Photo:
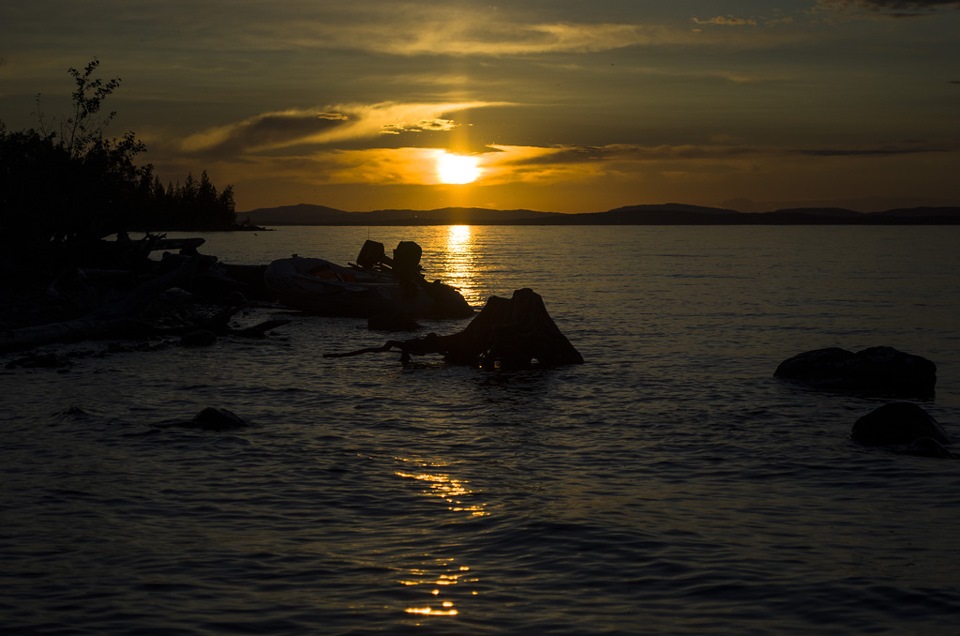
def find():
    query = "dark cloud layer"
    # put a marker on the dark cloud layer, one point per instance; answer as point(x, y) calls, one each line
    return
point(273, 129)
point(572, 154)
point(895, 8)
point(867, 152)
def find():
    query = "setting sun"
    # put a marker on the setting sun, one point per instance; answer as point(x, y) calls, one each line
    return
point(457, 169)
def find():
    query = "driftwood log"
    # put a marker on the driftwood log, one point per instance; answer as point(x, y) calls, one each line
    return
point(509, 333)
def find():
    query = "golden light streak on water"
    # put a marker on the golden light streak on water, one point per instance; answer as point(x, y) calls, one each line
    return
point(449, 489)
point(442, 575)
point(429, 611)
point(458, 262)
point(459, 238)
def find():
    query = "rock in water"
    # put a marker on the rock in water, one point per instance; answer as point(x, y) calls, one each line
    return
point(509, 333)
point(903, 428)
point(214, 419)
point(873, 371)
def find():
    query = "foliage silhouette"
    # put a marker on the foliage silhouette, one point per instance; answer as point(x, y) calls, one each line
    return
point(65, 185)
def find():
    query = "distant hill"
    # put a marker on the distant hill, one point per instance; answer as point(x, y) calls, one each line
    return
point(664, 214)
point(302, 214)
point(921, 213)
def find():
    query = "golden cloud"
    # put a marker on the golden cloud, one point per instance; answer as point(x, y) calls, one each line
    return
point(417, 29)
point(344, 122)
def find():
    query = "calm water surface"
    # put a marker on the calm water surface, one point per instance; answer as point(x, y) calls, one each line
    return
point(668, 485)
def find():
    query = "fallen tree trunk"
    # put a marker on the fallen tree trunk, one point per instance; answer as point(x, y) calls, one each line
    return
point(509, 333)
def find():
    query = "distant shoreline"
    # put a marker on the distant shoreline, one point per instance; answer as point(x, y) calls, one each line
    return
point(666, 214)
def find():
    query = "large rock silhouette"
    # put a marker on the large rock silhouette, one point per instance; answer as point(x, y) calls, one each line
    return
point(509, 333)
point(875, 371)
point(902, 427)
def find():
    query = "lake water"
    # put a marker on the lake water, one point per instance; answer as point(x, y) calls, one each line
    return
point(668, 485)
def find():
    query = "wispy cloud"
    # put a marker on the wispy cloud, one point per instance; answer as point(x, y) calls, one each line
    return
point(578, 163)
point(890, 8)
point(455, 29)
point(427, 125)
point(475, 35)
point(883, 151)
point(531, 163)
point(581, 154)
point(726, 21)
point(268, 130)
point(342, 123)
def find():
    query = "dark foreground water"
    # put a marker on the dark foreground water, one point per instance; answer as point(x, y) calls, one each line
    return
point(668, 485)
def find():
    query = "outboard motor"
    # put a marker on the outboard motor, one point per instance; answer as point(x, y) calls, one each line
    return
point(406, 260)
point(371, 254)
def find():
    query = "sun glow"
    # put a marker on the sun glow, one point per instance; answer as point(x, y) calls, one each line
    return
point(457, 169)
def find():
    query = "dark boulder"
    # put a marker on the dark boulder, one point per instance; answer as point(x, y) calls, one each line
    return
point(874, 371)
point(209, 419)
point(508, 334)
point(214, 419)
point(904, 427)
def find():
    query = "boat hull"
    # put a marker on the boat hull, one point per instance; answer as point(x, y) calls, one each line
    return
point(318, 286)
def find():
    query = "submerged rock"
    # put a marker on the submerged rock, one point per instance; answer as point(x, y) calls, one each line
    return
point(211, 419)
point(903, 427)
point(214, 419)
point(873, 371)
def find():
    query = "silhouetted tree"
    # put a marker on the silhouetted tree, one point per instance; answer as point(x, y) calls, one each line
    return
point(59, 190)
point(64, 184)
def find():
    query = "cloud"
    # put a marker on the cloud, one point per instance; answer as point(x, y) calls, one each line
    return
point(891, 8)
point(883, 151)
point(620, 162)
point(726, 21)
point(431, 29)
point(268, 130)
point(457, 36)
point(430, 125)
point(342, 123)
point(629, 152)
point(543, 164)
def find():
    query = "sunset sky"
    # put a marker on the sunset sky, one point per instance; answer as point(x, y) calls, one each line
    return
point(557, 105)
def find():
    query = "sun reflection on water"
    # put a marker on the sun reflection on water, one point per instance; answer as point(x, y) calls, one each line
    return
point(459, 238)
point(438, 580)
point(459, 262)
point(449, 489)
point(441, 576)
